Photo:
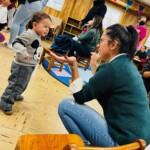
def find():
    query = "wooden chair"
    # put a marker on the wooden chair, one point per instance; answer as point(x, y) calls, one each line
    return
point(85, 62)
point(50, 59)
point(137, 145)
point(47, 142)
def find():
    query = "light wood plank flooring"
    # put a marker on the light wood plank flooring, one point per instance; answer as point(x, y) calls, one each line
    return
point(37, 113)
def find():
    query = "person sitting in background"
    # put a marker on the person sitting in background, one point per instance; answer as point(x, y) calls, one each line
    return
point(141, 29)
point(146, 74)
point(99, 9)
point(83, 44)
point(141, 56)
point(119, 89)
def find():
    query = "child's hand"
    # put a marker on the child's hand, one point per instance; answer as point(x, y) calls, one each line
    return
point(28, 57)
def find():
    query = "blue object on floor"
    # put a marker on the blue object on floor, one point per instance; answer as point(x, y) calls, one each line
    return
point(65, 75)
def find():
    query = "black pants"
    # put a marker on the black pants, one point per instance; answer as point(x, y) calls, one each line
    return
point(2, 26)
point(80, 49)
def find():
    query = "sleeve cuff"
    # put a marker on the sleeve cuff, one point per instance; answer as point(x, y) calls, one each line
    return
point(76, 86)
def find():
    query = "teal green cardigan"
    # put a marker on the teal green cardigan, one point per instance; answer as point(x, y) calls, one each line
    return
point(119, 89)
point(90, 38)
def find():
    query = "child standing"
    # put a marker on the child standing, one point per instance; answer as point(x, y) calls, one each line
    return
point(26, 48)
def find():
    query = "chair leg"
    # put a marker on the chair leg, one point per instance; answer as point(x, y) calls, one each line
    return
point(42, 56)
point(61, 67)
point(86, 66)
point(51, 63)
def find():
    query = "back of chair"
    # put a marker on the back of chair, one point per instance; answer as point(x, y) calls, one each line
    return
point(137, 145)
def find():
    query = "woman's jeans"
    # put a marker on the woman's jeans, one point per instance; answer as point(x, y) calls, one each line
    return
point(85, 122)
point(22, 17)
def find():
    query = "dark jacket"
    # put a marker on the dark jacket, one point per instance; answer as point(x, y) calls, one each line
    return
point(23, 1)
point(146, 80)
point(98, 9)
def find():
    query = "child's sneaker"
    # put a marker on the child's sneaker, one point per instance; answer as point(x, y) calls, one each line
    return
point(19, 98)
point(7, 110)
point(6, 44)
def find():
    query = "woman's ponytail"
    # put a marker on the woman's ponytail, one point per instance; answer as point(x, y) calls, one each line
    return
point(133, 41)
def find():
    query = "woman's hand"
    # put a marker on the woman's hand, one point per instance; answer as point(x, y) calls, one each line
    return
point(94, 58)
point(93, 62)
point(70, 60)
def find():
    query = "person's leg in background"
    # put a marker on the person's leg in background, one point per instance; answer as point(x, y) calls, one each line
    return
point(85, 122)
point(11, 16)
point(22, 16)
point(80, 50)
point(32, 7)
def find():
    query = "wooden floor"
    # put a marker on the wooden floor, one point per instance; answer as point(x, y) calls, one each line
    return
point(37, 114)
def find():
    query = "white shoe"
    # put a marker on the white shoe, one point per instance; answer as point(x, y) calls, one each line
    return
point(6, 44)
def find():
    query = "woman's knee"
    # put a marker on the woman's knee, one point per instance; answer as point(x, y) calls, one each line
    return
point(67, 102)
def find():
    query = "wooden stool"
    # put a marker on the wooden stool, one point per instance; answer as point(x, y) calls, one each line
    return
point(50, 59)
point(47, 142)
point(84, 61)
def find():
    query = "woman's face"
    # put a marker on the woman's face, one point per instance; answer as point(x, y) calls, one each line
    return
point(143, 49)
point(104, 49)
point(91, 22)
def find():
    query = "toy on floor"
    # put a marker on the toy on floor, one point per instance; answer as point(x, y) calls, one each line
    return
point(2, 37)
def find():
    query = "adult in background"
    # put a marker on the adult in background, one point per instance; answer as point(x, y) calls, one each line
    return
point(141, 29)
point(119, 89)
point(99, 9)
point(141, 57)
point(22, 16)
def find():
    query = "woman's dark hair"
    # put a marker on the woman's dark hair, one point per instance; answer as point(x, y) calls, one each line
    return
point(37, 17)
point(97, 23)
point(126, 36)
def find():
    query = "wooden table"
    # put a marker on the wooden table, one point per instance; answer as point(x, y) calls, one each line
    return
point(47, 141)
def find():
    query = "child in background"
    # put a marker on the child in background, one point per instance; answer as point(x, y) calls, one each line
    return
point(11, 11)
point(26, 48)
point(3, 17)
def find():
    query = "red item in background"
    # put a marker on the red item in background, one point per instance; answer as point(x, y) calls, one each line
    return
point(85, 29)
point(143, 62)
point(2, 37)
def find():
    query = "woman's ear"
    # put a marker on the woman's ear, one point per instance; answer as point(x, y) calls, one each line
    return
point(115, 45)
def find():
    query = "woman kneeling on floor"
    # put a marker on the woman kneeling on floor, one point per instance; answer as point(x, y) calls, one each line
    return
point(119, 89)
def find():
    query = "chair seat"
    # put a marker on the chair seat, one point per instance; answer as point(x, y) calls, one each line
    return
point(84, 61)
point(50, 59)
point(47, 142)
